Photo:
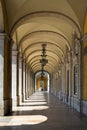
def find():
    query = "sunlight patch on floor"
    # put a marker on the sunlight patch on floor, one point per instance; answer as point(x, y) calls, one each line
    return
point(34, 103)
point(22, 120)
point(30, 108)
point(35, 100)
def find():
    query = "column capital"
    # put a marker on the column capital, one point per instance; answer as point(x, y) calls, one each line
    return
point(24, 60)
point(20, 57)
point(14, 52)
point(68, 56)
point(2, 36)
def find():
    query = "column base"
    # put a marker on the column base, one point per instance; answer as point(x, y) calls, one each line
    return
point(26, 95)
point(84, 107)
point(5, 107)
point(1, 107)
point(23, 97)
point(75, 103)
point(18, 100)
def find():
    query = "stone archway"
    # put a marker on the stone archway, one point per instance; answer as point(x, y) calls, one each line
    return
point(42, 84)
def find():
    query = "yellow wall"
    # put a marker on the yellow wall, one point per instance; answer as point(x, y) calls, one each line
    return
point(45, 83)
point(84, 92)
point(39, 81)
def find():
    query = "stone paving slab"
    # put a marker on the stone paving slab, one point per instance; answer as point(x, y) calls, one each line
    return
point(43, 111)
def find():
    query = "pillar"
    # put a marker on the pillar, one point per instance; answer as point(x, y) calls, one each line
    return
point(1, 75)
point(14, 76)
point(68, 77)
point(5, 65)
point(5, 75)
point(23, 80)
point(63, 81)
point(26, 82)
point(19, 79)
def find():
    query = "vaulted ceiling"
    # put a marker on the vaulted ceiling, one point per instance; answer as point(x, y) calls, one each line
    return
point(53, 22)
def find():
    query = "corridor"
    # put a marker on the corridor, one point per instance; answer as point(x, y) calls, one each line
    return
point(43, 111)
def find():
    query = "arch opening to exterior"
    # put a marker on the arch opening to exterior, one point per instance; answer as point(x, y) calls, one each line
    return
point(42, 84)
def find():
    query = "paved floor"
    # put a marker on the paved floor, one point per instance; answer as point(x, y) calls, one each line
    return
point(43, 111)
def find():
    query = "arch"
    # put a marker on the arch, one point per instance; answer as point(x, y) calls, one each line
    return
point(38, 84)
point(47, 68)
point(38, 63)
point(40, 72)
point(50, 43)
point(40, 57)
point(21, 20)
point(39, 50)
point(49, 48)
point(42, 32)
point(51, 60)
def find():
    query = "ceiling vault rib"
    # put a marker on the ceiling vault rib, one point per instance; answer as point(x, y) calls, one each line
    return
point(39, 61)
point(41, 32)
point(45, 66)
point(40, 71)
point(40, 51)
point(40, 64)
point(21, 20)
point(50, 67)
point(49, 43)
point(40, 57)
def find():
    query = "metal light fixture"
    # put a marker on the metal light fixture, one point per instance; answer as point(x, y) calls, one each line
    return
point(43, 62)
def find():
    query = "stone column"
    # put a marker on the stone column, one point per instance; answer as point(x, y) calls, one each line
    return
point(14, 77)
point(31, 82)
point(63, 81)
point(28, 83)
point(70, 78)
point(23, 80)
point(5, 75)
point(1, 75)
point(57, 85)
point(19, 78)
point(51, 83)
point(26, 80)
point(70, 70)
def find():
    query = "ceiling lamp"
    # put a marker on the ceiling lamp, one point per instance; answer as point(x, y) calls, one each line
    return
point(43, 61)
